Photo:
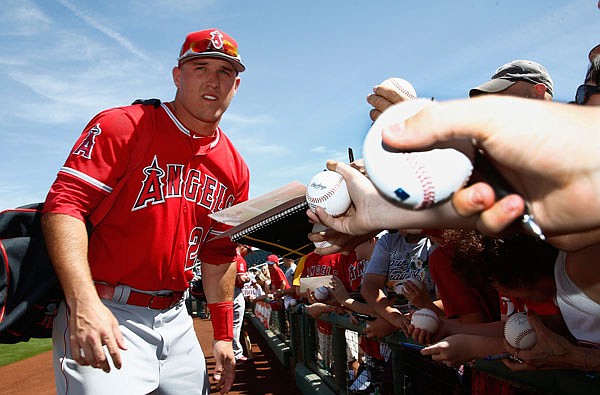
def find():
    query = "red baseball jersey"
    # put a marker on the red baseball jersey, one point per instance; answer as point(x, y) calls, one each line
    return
point(241, 267)
point(277, 277)
point(322, 265)
point(158, 228)
point(510, 305)
point(315, 265)
point(351, 271)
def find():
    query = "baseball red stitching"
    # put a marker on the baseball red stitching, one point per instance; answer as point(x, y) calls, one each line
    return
point(327, 194)
point(424, 178)
point(521, 335)
point(402, 89)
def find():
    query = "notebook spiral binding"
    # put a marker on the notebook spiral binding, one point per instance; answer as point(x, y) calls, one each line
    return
point(259, 225)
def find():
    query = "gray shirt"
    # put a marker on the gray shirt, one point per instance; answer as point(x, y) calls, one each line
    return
point(398, 260)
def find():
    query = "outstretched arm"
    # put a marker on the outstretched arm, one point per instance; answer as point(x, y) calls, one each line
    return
point(218, 286)
point(91, 324)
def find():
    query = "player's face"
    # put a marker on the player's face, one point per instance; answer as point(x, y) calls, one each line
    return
point(205, 88)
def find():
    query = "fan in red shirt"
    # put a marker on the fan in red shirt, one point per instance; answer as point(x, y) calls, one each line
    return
point(278, 281)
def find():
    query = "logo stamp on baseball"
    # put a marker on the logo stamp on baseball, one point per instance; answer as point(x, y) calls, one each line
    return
point(328, 189)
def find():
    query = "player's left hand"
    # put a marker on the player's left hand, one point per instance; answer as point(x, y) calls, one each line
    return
point(224, 373)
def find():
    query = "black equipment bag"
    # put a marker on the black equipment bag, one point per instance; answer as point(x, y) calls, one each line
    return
point(29, 289)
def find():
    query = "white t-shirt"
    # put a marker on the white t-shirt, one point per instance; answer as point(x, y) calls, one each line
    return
point(581, 314)
point(399, 260)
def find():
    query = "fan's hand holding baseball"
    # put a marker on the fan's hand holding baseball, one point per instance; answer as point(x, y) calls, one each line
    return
point(92, 325)
point(418, 295)
point(551, 351)
point(525, 139)
point(368, 210)
point(371, 212)
point(224, 373)
point(389, 92)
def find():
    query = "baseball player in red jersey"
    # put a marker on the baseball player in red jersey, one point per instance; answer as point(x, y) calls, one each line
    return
point(239, 303)
point(124, 312)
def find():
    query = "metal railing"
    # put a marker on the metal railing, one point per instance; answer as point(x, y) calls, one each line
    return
point(395, 367)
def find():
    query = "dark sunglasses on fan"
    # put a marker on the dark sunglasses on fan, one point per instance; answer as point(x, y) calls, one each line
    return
point(584, 92)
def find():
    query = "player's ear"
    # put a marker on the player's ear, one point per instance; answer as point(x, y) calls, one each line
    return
point(176, 76)
point(237, 83)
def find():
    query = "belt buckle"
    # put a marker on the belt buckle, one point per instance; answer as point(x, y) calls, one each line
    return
point(170, 296)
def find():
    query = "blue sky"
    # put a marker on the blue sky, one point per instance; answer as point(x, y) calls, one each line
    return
point(310, 65)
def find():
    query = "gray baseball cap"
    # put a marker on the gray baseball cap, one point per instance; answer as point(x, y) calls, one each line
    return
point(517, 70)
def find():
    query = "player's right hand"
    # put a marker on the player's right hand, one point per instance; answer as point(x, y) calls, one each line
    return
point(224, 373)
point(92, 326)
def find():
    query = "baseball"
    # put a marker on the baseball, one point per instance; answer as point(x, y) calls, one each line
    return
point(425, 319)
point(399, 288)
point(328, 189)
point(321, 294)
point(518, 332)
point(320, 228)
point(403, 87)
point(412, 179)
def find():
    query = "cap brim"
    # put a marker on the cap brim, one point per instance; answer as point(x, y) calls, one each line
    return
point(492, 86)
point(234, 62)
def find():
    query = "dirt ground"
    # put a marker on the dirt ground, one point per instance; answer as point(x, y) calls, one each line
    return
point(263, 375)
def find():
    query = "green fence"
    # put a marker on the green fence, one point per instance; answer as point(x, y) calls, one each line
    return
point(327, 364)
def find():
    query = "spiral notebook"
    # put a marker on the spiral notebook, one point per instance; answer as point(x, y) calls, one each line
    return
point(274, 222)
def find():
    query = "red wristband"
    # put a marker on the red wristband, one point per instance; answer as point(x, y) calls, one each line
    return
point(221, 315)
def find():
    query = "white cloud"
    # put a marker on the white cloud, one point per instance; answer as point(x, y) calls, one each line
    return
point(319, 149)
point(22, 18)
point(114, 35)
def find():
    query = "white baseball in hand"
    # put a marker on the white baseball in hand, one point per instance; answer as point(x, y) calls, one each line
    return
point(321, 293)
point(425, 319)
point(413, 179)
point(320, 228)
point(403, 87)
point(399, 288)
point(518, 332)
point(328, 189)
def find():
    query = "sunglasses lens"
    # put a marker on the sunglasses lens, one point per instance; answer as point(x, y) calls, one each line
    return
point(207, 45)
point(582, 94)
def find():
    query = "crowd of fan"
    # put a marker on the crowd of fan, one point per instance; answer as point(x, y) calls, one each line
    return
point(471, 280)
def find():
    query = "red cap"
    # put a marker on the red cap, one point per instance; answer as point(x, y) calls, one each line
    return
point(211, 43)
point(272, 258)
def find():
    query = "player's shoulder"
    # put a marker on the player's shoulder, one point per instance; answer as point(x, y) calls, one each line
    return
point(123, 120)
point(131, 112)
